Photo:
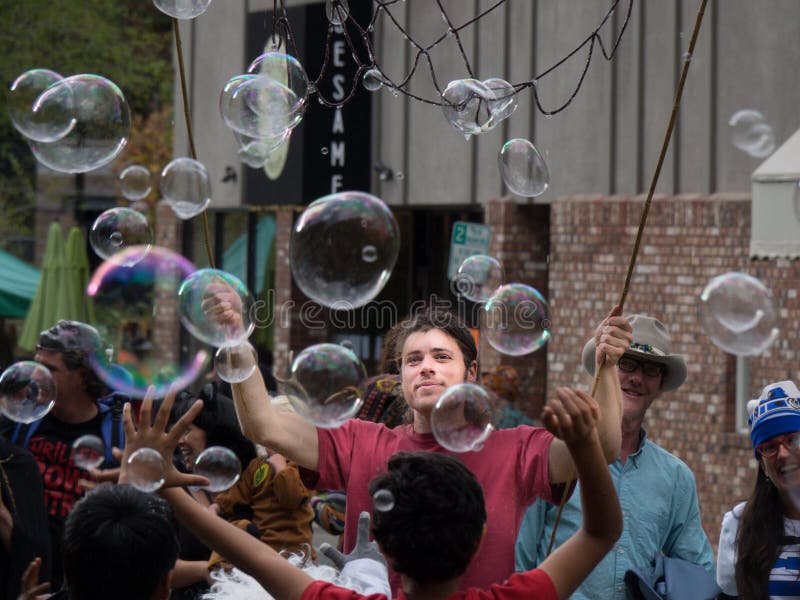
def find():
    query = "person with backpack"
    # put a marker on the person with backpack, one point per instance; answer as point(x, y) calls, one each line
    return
point(84, 405)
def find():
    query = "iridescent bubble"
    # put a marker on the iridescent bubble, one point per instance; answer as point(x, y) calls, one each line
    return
point(235, 364)
point(182, 9)
point(738, 314)
point(88, 452)
point(505, 103)
point(383, 500)
point(48, 123)
point(751, 133)
point(102, 124)
point(276, 92)
point(372, 80)
point(117, 229)
point(323, 386)
point(186, 187)
point(337, 11)
point(467, 105)
point(327, 249)
point(209, 298)
point(462, 417)
point(27, 391)
point(134, 182)
point(220, 466)
point(135, 294)
point(523, 169)
point(478, 277)
point(146, 470)
point(517, 319)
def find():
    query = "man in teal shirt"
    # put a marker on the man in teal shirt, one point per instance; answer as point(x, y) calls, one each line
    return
point(656, 490)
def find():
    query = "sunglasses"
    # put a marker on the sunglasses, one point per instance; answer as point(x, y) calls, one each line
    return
point(649, 369)
point(769, 449)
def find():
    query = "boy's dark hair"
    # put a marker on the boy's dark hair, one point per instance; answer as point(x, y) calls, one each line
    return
point(443, 320)
point(436, 523)
point(118, 543)
point(77, 343)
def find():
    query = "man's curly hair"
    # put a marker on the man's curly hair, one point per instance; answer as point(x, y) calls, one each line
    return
point(435, 525)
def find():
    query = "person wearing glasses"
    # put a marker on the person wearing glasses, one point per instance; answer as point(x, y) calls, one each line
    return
point(759, 545)
point(656, 490)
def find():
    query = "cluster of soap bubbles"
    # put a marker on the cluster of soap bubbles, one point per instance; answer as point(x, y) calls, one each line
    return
point(738, 314)
point(27, 392)
point(72, 125)
point(264, 105)
point(473, 106)
point(324, 384)
point(343, 249)
point(751, 133)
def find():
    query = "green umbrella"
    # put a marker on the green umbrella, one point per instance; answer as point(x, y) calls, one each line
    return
point(42, 313)
point(73, 303)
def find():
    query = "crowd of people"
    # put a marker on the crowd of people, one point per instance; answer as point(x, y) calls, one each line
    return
point(584, 505)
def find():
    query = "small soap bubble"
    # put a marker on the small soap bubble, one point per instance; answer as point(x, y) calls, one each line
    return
point(332, 246)
point(466, 104)
point(337, 11)
point(523, 169)
point(517, 319)
point(117, 229)
point(478, 277)
point(399, 175)
point(324, 151)
point(102, 124)
point(146, 470)
point(383, 500)
point(462, 417)
point(27, 391)
point(372, 80)
point(323, 386)
point(134, 182)
point(751, 133)
point(48, 123)
point(220, 466)
point(182, 9)
point(505, 103)
point(185, 186)
point(88, 452)
point(135, 295)
point(235, 364)
point(215, 307)
point(738, 314)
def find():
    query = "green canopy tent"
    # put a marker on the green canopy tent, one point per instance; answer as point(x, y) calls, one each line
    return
point(73, 303)
point(17, 286)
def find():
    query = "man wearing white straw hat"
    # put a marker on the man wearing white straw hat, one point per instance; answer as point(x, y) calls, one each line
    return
point(656, 490)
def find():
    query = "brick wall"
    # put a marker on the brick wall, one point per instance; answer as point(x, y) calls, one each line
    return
point(688, 240)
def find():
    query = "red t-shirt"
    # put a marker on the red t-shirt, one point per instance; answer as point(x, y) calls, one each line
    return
point(512, 469)
point(530, 585)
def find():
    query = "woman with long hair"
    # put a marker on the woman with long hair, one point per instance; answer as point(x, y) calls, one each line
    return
point(759, 546)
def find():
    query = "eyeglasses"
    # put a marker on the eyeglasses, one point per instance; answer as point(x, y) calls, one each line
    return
point(769, 449)
point(649, 369)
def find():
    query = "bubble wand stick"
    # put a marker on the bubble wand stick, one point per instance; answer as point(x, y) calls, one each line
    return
point(640, 233)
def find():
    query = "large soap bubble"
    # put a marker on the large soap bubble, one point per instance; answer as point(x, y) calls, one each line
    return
point(136, 308)
point(182, 9)
point(207, 293)
point(343, 249)
point(478, 277)
point(102, 124)
point(517, 320)
point(134, 182)
point(738, 314)
point(751, 133)
point(324, 384)
point(47, 124)
point(462, 417)
point(186, 187)
point(467, 105)
point(523, 169)
point(27, 391)
point(220, 466)
point(117, 229)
